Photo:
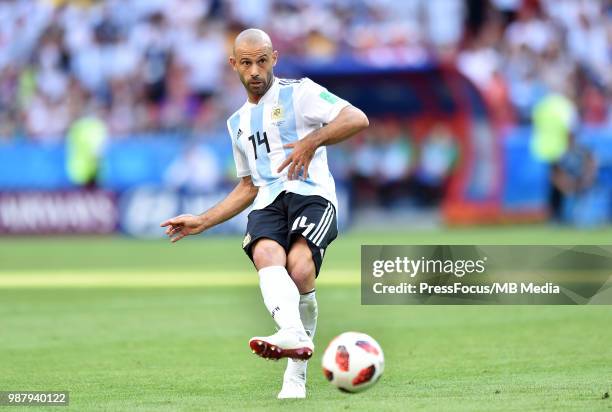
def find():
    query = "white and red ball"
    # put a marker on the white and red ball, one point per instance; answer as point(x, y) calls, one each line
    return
point(353, 362)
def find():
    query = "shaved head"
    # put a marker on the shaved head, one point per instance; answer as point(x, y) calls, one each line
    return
point(253, 58)
point(252, 38)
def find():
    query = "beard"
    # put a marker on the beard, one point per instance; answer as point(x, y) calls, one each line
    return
point(260, 86)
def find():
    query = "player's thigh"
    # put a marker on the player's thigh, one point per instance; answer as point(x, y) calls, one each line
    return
point(268, 252)
point(266, 241)
point(300, 265)
point(313, 219)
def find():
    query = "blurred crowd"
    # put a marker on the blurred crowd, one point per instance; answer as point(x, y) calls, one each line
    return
point(520, 51)
point(392, 167)
point(160, 65)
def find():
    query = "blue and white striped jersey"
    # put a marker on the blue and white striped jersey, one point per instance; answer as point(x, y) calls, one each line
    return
point(289, 111)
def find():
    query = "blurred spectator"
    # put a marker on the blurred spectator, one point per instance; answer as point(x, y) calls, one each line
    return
point(554, 120)
point(555, 123)
point(395, 164)
point(439, 153)
point(575, 170)
point(530, 30)
point(197, 170)
point(47, 118)
point(382, 165)
point(153, 38)
point(573, 176)
point(86, 139)
point(365, 168)
point(204, 56)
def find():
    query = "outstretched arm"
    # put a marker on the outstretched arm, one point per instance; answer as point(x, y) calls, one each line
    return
point(235, 202)
point(349, 121)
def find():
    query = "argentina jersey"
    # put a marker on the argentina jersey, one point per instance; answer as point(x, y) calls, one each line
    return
point(289, 111)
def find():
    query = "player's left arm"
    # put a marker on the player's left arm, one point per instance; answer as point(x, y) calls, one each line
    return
point(347, 123)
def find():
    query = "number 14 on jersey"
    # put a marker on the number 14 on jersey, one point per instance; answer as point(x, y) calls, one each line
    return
point(257, 140)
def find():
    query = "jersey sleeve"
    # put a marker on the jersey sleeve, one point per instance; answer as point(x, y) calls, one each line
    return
point(317, 104)
point(242, 165)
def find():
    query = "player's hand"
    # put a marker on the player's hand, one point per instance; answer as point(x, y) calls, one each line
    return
point(184, 225)
point(300, 158)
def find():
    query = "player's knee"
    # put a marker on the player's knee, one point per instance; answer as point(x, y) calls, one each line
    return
point(302, 270)
point(267, 252)
point(303, 274)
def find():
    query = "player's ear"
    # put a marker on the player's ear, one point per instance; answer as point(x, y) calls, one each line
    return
point(232, 62)
point(274, 57)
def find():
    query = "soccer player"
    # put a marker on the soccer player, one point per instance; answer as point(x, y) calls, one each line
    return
point(278, 138)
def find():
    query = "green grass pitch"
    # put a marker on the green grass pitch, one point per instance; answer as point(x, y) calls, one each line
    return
point(128, 325)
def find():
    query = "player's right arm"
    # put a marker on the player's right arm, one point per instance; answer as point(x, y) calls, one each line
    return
point(235, 202)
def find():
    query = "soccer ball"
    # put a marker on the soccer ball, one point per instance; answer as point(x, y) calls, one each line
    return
point(353, 362)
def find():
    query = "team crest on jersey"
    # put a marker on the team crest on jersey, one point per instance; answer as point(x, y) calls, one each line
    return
point(277, 114)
